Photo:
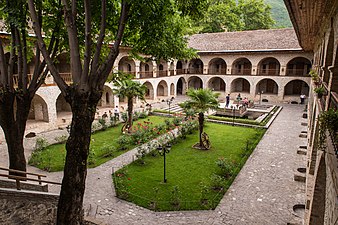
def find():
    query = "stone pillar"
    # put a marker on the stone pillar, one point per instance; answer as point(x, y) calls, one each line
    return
point(137, 69)
point(168, 68)
point(154, 69)
point(254, 70)
point(205, 68)
point(229, 69)
point(282, 71)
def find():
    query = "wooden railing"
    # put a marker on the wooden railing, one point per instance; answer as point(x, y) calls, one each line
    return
point(217, 71)
point(67, 77)
point(146, 74)
point(162, 73)
point(241, 72)
point(16, 79)
point(195, 71)
point(18, 179)
point(268, 72)
point(296, 72)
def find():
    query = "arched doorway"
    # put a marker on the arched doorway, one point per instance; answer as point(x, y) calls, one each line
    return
point(150, 91)
point(107, 99)
point(127, 65)
point(296, 88)
point(217, 66)
point(299, 66)
point(267, 86)
point(162, 88)
point(240, 85)
point(162, 69)
point(146, 70)
point(216, 84)
point(39, 109)
point(179, 68)
point(268, 67)
point(181, 86)
point(241, 66)
point(172, 89)
point(196, 66)
point(195, 82)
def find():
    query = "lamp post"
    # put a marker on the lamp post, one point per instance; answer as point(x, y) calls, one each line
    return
point(163, 150)
point(169, 101)
point(260, 97)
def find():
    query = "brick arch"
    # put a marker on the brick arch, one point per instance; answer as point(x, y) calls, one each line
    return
point(240, 85)
point(217, 66)
point(162, 88)
point(150, 90)
point(298, 66)
point(39, 109)
point(216, 84)
point(241, 66)
point(296, 87)
point(268, 66)
point(195, 82)
point(181, 86)
point(267, 86)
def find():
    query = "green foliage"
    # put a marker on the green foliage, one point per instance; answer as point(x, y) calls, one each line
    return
point(61, 139)
point(187, 168)
point(175, 197)
point(41, 144)
point(226, 167)
point(328, 121)
point(279, 13)
point(232, 15)
point(201, 100)
point(123, 141)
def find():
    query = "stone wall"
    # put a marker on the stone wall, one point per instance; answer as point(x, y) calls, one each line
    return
point(24, 186)
point(27, 207)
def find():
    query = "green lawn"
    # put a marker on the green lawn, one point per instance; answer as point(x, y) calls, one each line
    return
point(103, 148)
point(188, 169)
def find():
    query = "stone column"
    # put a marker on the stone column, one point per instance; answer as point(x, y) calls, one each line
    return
point(154, 69)
point(137, 69)
point(282, 71)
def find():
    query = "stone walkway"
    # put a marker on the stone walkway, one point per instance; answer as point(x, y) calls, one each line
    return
point(263, 193)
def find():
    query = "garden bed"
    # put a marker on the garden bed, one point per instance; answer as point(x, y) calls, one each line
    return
point(196, 179)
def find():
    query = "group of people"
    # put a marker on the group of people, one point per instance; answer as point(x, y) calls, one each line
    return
point(116, 114)
point(245, 101)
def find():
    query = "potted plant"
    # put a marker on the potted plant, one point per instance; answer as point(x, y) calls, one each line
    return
point(315, 77)
point(320, 91)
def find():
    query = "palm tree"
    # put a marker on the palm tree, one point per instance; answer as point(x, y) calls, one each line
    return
point(129, 89)
point(201, 100)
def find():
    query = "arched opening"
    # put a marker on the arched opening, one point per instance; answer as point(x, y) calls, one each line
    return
point(195, 82)
point(298, 67)
point(240, 85)
point(216, 84)
point(162, 69)
point(62, 106)
point(162, 88)
point(267, 86)
point(268, 67)
point(127, 65)
point(179, 68)
point(38, 110)
point(241, 66)
point(296, 87)
point(150, 91)
point(196, 66)
point(181, 86)
point(217, 66)
point(328, 58)
point(172, 89)
point(107, 99)
point(63, 66)
point(146, 70)
point(172, 69)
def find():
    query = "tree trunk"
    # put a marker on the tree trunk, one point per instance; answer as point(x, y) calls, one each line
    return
point(130, 113)
point(200, 123)
point(73, 184)
point(14, 127)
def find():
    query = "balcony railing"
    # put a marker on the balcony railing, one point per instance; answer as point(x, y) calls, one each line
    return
point(162, 73)
point(217, 71)
point(296, 72)
point(268, 72)
point(16, 79)
point(180, 71)
point(241, 72)
point(146, 74)
point(172, 72)
point(195, 71)
point(67, 77)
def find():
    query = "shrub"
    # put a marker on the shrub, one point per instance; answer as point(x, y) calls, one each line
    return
point(61, 139)
point(217, 182)
point(103, 124)
point(107, 151)
point(175, 197)
point(41, 143)
point(124, 117)
point(143, 115)
point(91, 157)
point(227, 168)
point(123, 141)
point(177, 121)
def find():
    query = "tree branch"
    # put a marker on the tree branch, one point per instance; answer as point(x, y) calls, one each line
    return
point(88, 43)
point(3, 67)
point(99, 43)
point(20, 58)
point(37, 29)
point(75, 59)
point(105, 68)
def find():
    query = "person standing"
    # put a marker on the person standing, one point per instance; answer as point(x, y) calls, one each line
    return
point(227, 101)
point(302, 99)
point(116, 113)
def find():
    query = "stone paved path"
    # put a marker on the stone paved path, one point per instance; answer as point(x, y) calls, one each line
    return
point(263, 192)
